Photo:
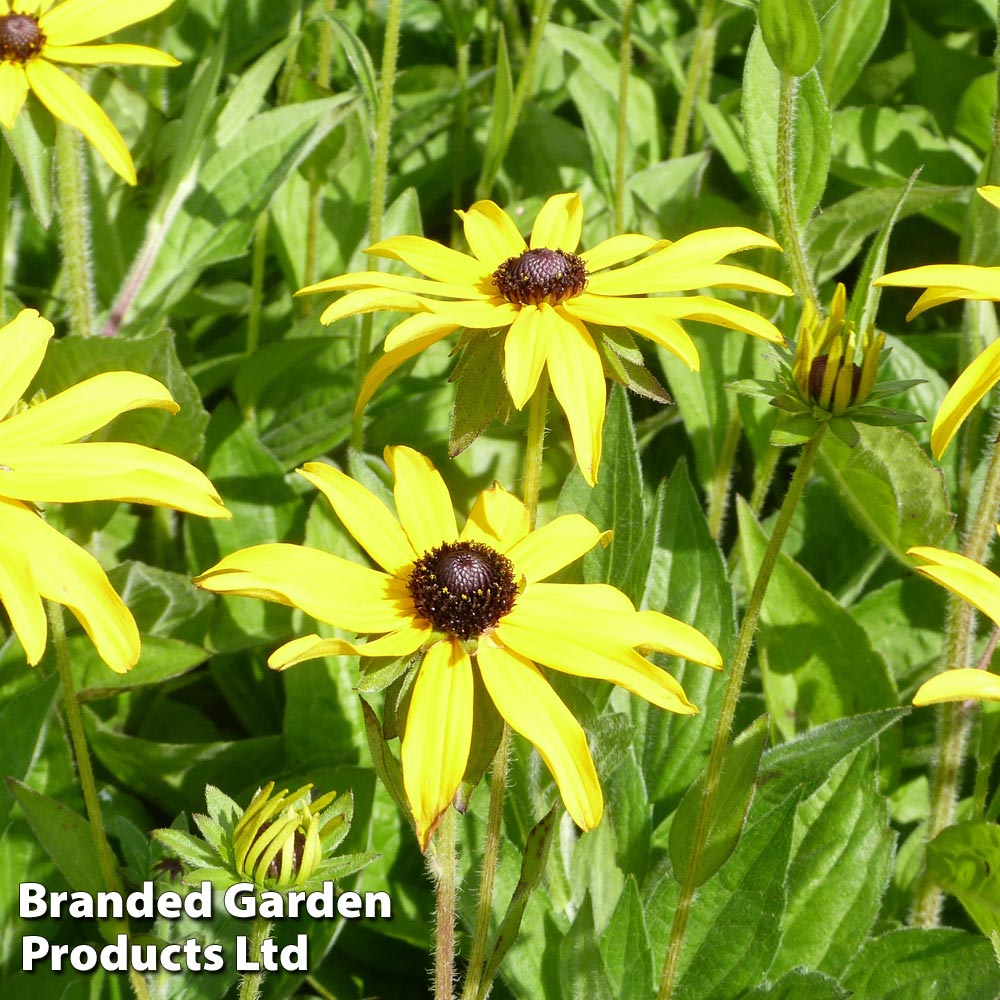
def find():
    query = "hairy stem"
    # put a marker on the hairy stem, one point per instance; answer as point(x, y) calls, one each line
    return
point(445, 880)
point(621, 144)
point(74, 223)
point(251, 982)
point(699, 70)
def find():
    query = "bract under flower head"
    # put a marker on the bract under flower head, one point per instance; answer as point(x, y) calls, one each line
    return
point(429, 569)
point(981, 588)
point(35, 35)
point(948, 283)
point(43, 461)
point(553, 301)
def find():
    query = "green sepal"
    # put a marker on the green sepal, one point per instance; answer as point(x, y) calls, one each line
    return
point(844, 430)
point(883, 416)
point(791, 404)
point(759, 388)
point(882, 390)
point(480, 390)
point(624, 364)
point(387, 768)
point(794, 430)
point(378, 672)
point(191, 850)
point(487, 730)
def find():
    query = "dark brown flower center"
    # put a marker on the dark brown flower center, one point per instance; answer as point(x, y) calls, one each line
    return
point(817, 373)
point(540, 276)
point(21, 38)
point(463, 588)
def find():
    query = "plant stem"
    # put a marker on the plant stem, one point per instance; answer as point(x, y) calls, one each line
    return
point(791, 233)
point(621, 145)
point(251, 982)
point(78, 738)
point(75, 229)
point(458, 144)
point(955, 718)
point(721, 738)
point(257, 282)
point(6, 170)
point(380, 171)
point(723, 470)
point(445, 878)
point(699, 68)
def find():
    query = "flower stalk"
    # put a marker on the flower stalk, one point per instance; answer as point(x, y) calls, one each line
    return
point(734, 684)
point(75, 230)
point(621, 145)
point(445, 881)
point(698, 73)
point(251, 982)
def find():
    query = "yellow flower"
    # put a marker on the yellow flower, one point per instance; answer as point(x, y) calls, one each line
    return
point(42, 460)
point(948, 283)
point(474, 600)
point(981, 588)
point(33, 37)
point(546, 294)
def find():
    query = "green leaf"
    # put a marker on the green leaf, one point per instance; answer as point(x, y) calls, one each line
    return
point(800, 985)
point(386, 766)
point(501, 127)
point(889, 487)
point(32, 142)
point(729, 808)
point(581, 963)
point(851, 33)
point(357, 55)
point(688, 581)
point(791, 33)
point(616, 502)
point(841, 865)
point(816, 662)
point(625, 947)
point(918, 964)
point(65, 836)
point(160, 660)
point(761, 89)
point(24, 721)
point(964, 860)
point(480, 390)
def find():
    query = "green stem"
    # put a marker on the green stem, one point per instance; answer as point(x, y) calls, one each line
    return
point(621, 144)
point(474, 984)
point(762, 479)
point(955, 718)
point(699, 68)
point(251, 982)
point(795, 252)
point(724, 469)
point(720, 740)
point(257, 282)
point(458, 145)
point(75, 229)
point(78, 737)
point(380, 171)
point(6, 171)
point(445, 880)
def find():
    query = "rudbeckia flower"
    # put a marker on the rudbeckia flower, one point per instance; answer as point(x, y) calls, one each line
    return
point(545, 294)
point(471, 600)
point(33, 37)
point(948, 283)
point(43, 461)
point(981, 588)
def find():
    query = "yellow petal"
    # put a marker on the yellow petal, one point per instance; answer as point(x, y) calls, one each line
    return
point(417, 327)
point(491, 234)
point(653, 630)
point(366, 300)
point(22, 346)
point(13, 91)
point(109, 55)
point(497, 519)
point(577, 377)
point(528, 633)
point(961, 399)
point(525, 349)
point(398, 283)
point(388, 363)
point(438, 734)
point(488, 314)
point(18, 591)
point(78, 21)
point(69, 473)
point(991, 193)
point(708, 246)
point(652, 318)
point(422, 499)
point(709, 310)
point(961, 575)
point(70, 103)
point(546, 550)
point(968, 276)
point(365, 517)
point(67, 574)
point(312, 647)
point(644, 277)
point(433, 260)
point(940, 295)
point(959, 685)
point(328, 588)
point(83, 409)
point(559, 223)
point(619, 248)
point(525, 699)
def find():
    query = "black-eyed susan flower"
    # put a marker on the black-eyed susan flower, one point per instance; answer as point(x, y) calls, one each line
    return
point(829, 377)
point(35, 34)
point(947, 283)
point(981, 588)
point(552, 301)
point(42, 460)
point(471, 600)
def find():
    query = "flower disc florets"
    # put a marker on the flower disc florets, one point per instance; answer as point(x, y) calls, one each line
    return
point(541, 275)
point(21, 38)
point(463, 588)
